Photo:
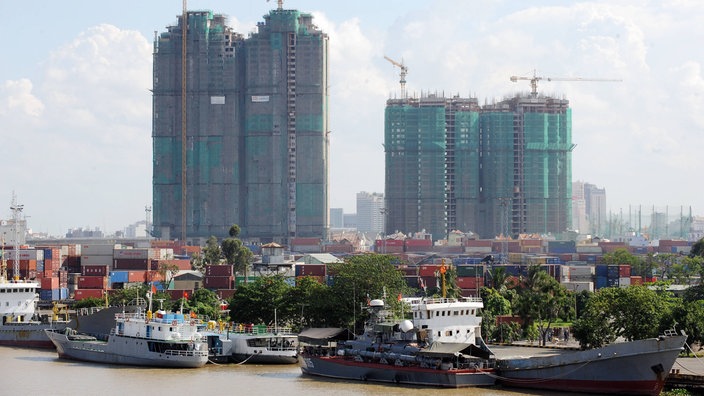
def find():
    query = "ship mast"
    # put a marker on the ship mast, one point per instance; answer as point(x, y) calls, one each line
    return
point(16, 210)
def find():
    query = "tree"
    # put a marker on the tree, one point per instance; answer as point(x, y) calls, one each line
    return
point(542, 300)
point(212, 252)
point(198, 262)
point(259, 301)
point(495, 305)
point(697, 249)
point(167, 272)
point(634, 313)
point(621, 256)
point(360, 278)
point(235, 252)
point(203, 302)
point(313, 300)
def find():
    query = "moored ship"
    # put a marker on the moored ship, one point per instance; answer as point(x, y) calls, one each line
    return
point(140, 339)
point(636, 367)
point(255, 344)
point(440, 346)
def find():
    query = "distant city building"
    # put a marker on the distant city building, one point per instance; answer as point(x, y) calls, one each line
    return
point(350, 220)
point(256, 136)
point(595, 208)
point(137, 230)
point(337, 218)
point(501, 169)
point(84, 233)
point(370, 212)
point(579, 209)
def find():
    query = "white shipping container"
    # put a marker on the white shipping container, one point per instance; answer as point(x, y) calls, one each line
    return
point(99, 249)
point(586, 270)
point(97, 260)
point(624, 282)
point(579, 286)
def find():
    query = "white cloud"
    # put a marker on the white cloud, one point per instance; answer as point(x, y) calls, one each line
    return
point(17, 100)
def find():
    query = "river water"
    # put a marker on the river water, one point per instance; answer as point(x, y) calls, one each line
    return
point(40, 372)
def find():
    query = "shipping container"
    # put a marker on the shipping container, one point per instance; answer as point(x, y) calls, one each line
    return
point(624, 282)
point(470, 270)
point(601, 282)
point(589, 249)
point(310, 270)
point(99, 249)
point(469, 282)
point(624, 271)
point(479, 243)
point(132, 264)
point(613, 271)
point(218, 282)
point(119, 276)
point(636, 280)
point(80, 294)
point(467, 260)
point(182, 264)
point(50, 294)
point(96, 260)
point(219, 270)
point(49, 283)
point(142, 254)
point(428, 270)
point(579, 286)
point(94, 270)
point(92, 282)
point(561, 247)
point(478, 249)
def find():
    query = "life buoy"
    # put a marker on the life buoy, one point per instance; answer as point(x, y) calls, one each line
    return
point(173, 322)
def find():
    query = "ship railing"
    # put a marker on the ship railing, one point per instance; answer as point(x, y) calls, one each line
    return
point(176, 352)
point(243, 328)
point(451, 300)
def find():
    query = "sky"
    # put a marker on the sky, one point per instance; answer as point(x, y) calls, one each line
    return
point(75, 105)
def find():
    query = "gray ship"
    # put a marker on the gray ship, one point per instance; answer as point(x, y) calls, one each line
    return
point(440, 347)
point(633, 368)
point(139, 339)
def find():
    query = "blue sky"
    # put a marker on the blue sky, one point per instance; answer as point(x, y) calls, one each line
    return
point(75, 110)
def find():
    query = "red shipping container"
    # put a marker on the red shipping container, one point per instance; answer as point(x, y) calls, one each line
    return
point(80, 294)
point(624, 271)
point(94, 270)
point(479, 243)
point(136, 276)
point(468, 282)
point(310, 270)
point(92, 282)
point(218, 282)
point(50, 283)
point(428, 270)
point(219, 270)
point(636, 280)
point(184, 265)
point(131, 264)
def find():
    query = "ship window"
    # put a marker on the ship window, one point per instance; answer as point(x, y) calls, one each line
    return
point(439, 334)
point(448, 333)
point(472, 312)
point(456, 313)
point(437, 313)
point(443, 313)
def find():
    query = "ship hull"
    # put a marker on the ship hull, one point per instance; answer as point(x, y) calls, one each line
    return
point(634, 368)
point(125, 351)
point(27, 335)
point(349, 369)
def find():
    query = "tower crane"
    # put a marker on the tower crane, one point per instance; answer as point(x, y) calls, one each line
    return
point(404, 71)
point(534, 81)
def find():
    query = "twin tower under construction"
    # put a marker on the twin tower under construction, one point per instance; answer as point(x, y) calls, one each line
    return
point(240, 128)
point(498, 169)
point(240, 136)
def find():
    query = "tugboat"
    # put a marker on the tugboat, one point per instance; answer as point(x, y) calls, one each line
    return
point(139, 339)
point(440, 346)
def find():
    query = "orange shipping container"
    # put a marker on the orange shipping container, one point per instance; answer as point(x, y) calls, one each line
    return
point(50, 283)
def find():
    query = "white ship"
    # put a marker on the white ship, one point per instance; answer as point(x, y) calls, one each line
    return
point(256, 344)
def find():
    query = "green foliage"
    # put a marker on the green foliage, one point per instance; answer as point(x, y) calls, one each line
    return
point(635, 312)
point(205, 303)
point(167, 272)
point(235, 252)
point(542, 300)
point(256, 301)
point(198, 262)
point(89, 303)
point(697, 249)
point(212, 252)
point(690, 318)
point(127, 295)
point(313, 299)
point(495, 304)
point(621, 256)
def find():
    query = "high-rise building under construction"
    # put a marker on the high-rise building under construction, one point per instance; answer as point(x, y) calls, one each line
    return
point(499, 169)
point(256, 128)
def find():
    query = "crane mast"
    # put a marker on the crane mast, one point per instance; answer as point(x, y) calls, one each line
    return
point(404, 71)
point(534, 81)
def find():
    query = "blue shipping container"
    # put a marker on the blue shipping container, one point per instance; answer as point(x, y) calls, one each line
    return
point(119, 276)
point(47, 254)
point(63, 293)
point(602, 270)
point(601, 282)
